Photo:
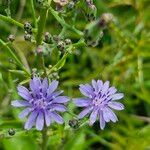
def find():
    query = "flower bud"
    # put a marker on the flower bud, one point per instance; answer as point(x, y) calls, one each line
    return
point(47, 38)
point(28, 27)
point(70, 5)
point(68, 41)
point(61, 45)
point(74, 123)
point(61, 2)
point(11, 38)
point(105, 19)
point(27, 37)
point(11, 132)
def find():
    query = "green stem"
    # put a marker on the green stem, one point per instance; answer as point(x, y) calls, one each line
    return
point(44, 139)
point(14, 57)
point(33, 13)
point(63, 23)
point(39, 37)
point(14, 22)
point(41, 25)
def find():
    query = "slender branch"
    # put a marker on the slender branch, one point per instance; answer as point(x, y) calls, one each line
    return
point(63, 23)
point(33, 13)
point(14, 22)
point(14, 57)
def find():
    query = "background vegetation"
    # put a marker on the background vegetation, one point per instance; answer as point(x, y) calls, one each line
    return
point(122, 57)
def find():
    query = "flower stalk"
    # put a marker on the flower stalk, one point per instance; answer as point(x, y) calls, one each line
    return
point(44, 139)
point(63, 23)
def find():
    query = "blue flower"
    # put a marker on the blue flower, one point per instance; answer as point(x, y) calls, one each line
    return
point(42, 103)
point(99, 101)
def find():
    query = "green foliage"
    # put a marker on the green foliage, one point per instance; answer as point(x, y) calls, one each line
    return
point(122, 57)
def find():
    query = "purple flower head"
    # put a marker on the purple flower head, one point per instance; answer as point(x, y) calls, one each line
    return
point(41, 103)
point(99, 101)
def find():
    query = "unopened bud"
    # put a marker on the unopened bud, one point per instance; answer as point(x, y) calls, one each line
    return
point(61, 2)
point(28, 27)
point(68, 41)
point(74, 123)
point(27, 37)
point(70, 5)
point(105, 19)
point(47, 37)
point(11, 132)
point(11, 38)
point(61, 45)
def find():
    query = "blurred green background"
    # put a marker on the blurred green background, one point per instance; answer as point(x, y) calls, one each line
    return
point(122, 57)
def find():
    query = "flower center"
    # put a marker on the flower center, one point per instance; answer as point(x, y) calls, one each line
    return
point(99, 99)
point(39, 103)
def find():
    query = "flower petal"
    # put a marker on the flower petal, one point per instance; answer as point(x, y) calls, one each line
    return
point(108, 115)
point(102, 121)
point(35, 85)
point(112, 90)
point(44, 86)
point(20, 103)
point(40, 121)
point(105, 87)
point(24, 92)
point(117, 96)
point(52, 87)
point(86, 90)
point(82, 102)
point(61, 99)
point(57, 117)
point(100, 85)
point(93, 116)
point(47, 118)
point(95, 86)
point(85, 112)
point(55, 94)
point(31, 120)
point(24, 113)
point(116, 105)
point(58, 107)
